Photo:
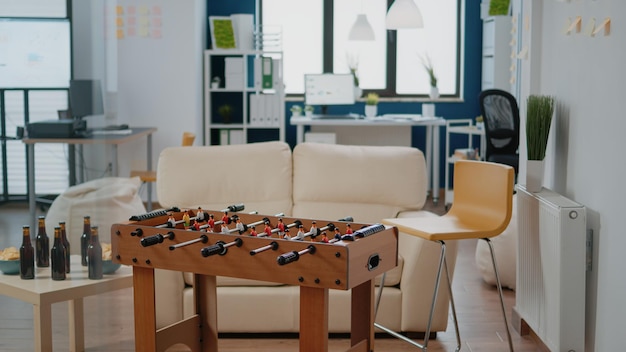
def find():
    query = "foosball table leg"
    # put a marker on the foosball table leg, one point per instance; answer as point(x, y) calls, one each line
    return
point(206, 306)
point(145, 309)
point(362, 317)
point(313, 319)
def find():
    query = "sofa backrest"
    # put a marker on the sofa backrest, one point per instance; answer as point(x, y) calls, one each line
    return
point(259, 175)
point(368, 183)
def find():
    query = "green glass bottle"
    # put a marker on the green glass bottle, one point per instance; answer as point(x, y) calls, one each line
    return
point(84, 240)
point(27, 255)
point(94, 256)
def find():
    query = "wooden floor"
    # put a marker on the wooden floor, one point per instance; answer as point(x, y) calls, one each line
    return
point(109, 319)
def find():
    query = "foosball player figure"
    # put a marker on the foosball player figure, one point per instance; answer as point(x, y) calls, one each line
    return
point(186, 219)
point(239, 226)
point(348, 229)
point(324, 238)
point(200, 215)
point(286, 235)
point(225, 217)
point(196, 225)
point(313, 229)
point(281, 228)
point(337, 233)
point(267, 230)
point(211, 223)
point(300, 235)
point(253, 231)
point(224, 228)
point(171, 222)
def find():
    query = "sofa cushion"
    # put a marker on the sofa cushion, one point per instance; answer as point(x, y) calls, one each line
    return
point(256, 174)
point(329, 181)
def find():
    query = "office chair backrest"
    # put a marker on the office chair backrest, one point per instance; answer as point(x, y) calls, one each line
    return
point(501, 117)
point(483, 195)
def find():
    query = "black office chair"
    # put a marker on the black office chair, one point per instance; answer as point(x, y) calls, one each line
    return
point(502, 126)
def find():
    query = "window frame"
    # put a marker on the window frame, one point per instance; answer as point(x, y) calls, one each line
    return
point(389, 92)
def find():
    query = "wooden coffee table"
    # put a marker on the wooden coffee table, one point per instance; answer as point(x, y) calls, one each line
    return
point(43, 291)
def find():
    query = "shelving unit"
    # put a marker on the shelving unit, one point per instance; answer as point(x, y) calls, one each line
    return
point(251, 83)
point(460, 127)
point(496, 58)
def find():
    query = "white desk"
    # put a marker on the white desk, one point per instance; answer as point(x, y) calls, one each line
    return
point(397, 128)
point(42, 291)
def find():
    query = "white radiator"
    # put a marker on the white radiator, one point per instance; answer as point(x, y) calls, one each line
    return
point(551, 268)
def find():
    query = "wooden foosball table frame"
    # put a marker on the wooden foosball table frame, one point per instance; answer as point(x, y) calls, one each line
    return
point(349, 263)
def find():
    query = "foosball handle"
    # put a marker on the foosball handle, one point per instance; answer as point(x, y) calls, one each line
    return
point(153, 214)
point(156, 239)
point(235, 208)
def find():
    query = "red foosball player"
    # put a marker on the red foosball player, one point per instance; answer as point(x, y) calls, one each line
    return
point(348, 229)
point(196, 225)
point(225, 217)
point(281, 228)
point(211, 223)
point(171, 222)
point(200, 215)
point(253, 232)
point(324, 238)
point(186, 219)
point(267, 230)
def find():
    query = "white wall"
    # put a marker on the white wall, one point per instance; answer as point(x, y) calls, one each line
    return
point(587, 76)
point(159, 79)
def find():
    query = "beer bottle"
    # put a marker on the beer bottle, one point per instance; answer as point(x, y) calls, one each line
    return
point(84, 240)
point(66, 244)
point(94, 256)
point(42, 245)
point(57, 256)
point(27, 255)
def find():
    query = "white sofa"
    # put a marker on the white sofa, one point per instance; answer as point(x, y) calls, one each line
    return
point(317, 181)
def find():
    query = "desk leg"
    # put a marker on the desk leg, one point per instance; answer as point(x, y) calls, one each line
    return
point(42, 324)
point(429, 158)
point(313, 319)
point(299, 134)
point(30, 179)
point(435, 147)
point(362, 318)
point(76, 325)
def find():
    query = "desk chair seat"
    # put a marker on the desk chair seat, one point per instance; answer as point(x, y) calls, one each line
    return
point(482, 207)
point(150, 175)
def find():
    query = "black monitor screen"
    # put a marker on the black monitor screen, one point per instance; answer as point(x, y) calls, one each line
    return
point(86, 98)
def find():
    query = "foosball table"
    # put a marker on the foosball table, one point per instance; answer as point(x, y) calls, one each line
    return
point(316, 255)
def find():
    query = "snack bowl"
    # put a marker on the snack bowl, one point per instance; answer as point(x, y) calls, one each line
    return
point(10, 267)
point(109, 267)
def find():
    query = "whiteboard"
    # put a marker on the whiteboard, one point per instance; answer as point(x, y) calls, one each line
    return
point(34, 53)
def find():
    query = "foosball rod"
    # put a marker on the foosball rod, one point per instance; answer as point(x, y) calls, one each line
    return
point(330, 226)
point(274, 230)
point(265, 220)
point(232, 208)
point(291, 257)
point(202, 238)
point(220, 247)
point(156, 239)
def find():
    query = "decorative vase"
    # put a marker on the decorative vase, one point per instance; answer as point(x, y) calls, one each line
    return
point(371, 110)
point(434, 93)
point(357, 93)
point(534, 175)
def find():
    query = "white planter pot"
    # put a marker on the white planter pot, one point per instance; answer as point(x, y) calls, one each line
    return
point(534, 175)
point(434, 93)
point(371, 110)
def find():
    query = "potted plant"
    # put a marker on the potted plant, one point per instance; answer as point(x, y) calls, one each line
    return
point(296, 110)
point(430, 70)
point(371, 104)
point(308, 110)
point(215, 82)
point(226, 112)
point(539, 111)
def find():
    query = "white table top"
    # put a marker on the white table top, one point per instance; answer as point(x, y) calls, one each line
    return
point(385, 120)
point(43, 290)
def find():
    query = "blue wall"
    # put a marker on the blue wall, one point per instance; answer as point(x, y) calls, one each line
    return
point(468, 108)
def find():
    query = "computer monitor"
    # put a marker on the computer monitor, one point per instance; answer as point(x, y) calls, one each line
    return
point(329, 89)
point(85, 98)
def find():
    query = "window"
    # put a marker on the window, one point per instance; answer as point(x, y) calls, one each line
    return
point(315, 40)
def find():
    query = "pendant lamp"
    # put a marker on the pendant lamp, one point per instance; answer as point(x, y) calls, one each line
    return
point(404, 14)
point(362, 29)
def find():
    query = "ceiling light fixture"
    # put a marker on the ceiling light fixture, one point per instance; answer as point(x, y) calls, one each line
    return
point(404, 14)
point(362, 29)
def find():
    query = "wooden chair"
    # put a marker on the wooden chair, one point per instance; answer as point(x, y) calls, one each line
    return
point(482, 207)
point(150, 175)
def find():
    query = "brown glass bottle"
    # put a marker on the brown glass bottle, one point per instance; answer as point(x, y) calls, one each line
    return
point(42, 245)
point(57, 256)
point(84, 240)
point(66, 244)
point(94, 256)
point(27, 255)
